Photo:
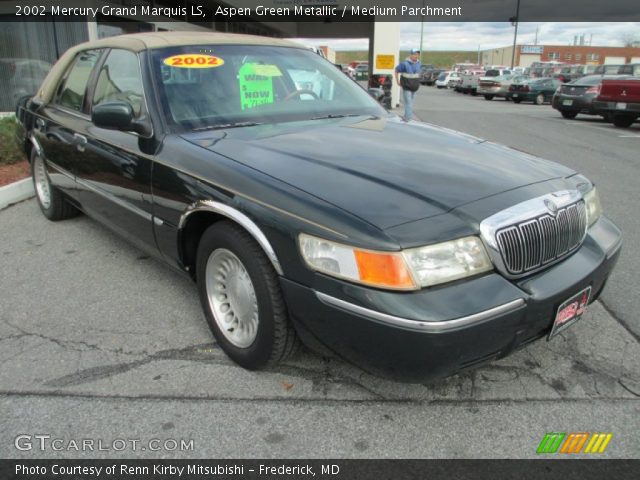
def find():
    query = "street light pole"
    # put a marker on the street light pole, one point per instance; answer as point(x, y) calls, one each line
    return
point(514, 20)
point(421, 31)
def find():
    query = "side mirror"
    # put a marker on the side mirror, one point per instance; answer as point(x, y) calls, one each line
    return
point(119, 116)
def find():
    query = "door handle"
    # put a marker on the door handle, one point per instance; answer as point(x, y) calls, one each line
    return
point(80, 141)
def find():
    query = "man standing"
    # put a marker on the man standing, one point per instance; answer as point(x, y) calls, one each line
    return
point(408, 77)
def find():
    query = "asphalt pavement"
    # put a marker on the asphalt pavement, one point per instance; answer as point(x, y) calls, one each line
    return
point(99, 341)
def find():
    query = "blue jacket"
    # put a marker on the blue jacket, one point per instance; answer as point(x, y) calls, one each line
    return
point(409, 67)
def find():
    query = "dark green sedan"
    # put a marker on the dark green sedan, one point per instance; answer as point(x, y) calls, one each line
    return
point(538, 91)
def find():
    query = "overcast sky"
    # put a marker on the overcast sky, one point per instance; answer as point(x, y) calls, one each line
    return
point(468, 35)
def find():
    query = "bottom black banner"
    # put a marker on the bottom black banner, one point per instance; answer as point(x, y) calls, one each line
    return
point(318, 469)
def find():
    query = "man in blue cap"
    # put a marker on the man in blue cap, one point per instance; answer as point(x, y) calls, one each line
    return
point(408, 77)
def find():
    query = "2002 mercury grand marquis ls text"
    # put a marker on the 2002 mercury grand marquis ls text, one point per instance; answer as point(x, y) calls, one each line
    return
point(304, 210)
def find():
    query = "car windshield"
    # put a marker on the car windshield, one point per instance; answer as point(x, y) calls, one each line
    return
point(442, 76)
point(219, 86)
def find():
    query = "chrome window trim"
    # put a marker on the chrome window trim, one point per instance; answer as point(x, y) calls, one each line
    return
point(519, 213)
point(421, 325)
point(238, 217)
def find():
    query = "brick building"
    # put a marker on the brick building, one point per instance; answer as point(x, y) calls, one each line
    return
point(574, 54)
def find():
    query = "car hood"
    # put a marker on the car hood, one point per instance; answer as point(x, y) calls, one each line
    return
point(382, 170)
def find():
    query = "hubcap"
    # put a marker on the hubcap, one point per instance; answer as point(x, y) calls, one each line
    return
point(232, 298)
point(41, 181)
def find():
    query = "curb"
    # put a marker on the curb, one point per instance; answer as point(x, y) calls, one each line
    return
point(16, 192)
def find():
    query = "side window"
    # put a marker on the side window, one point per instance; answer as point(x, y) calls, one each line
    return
point(71, 91)
point(120, 80)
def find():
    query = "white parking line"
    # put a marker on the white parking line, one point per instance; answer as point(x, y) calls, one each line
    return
point(628, 136)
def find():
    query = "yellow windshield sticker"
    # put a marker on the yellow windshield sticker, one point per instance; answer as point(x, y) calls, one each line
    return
point(267, 70)
point(256, 88)
point(193, 60)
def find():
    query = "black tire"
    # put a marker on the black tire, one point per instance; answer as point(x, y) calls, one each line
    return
point(569, 114)
point(488, 97)
point(539, 100)
point(516, 100)
point(623, 121)
point(275, 339)
point(52, 202)
point(474, 93)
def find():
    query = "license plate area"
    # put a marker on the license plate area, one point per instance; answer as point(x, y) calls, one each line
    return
point(567, 102)
point(570, 311)
point(621, 106)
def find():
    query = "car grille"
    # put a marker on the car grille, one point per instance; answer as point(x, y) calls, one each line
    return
point(529, 245)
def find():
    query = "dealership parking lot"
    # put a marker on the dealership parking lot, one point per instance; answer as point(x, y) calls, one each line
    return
point(101, 341)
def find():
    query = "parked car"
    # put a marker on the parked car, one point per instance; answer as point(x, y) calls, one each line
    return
point(20, 77)
point(447, 79)
point(347, 70)
point(584, 70)
point(612, 69)
point(429, 77)
point(632, 69)
point(468, 82)
point(619, 101)
point(538, 90)
point(496, 72)
point(296, 217)
point(425, 72)
point(492, 87)
point(577, 97)
point(362, 71)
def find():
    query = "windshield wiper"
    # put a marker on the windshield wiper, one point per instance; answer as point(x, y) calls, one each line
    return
point(226, 125)
point(341, 115)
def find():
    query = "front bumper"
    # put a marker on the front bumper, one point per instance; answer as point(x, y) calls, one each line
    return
point(435, 332)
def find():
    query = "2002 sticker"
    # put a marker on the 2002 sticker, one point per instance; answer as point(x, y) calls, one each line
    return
point(193, 60)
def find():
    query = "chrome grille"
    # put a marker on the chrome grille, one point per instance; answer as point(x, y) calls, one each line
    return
point(530, 245)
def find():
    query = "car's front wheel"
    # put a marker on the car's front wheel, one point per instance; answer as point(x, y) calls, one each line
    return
point(51, 201)
point(488, 97)
point(539, 99)
point(241, 297)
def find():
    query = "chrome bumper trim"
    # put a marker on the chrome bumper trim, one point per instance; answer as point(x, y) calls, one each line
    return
point(421, 325)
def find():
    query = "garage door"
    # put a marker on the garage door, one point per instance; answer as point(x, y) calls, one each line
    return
point(614, 60)
point(527, 60)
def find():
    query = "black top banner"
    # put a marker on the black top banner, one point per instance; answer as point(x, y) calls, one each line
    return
point(327, 11)
point(319, 469)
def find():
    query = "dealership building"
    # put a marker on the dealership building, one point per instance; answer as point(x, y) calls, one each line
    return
point(525, 55)
point(30, 44)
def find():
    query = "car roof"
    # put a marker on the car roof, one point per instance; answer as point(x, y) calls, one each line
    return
point(138, 42)
point(152, 40)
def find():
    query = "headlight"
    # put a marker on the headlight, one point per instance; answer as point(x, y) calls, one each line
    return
point(593, 206)
point(444, 262)
point(378, 269)
point(407, 270)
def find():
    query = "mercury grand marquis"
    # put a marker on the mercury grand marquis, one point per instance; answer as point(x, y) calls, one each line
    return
point(304, 211)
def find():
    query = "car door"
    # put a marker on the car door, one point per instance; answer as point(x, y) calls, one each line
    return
point(58, 124)
point(114, 174)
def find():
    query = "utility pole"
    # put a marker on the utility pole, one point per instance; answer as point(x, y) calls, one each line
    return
point(421, 32)
point(514, 21)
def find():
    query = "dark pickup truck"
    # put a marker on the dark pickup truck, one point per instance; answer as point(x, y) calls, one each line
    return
point(619, 100)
